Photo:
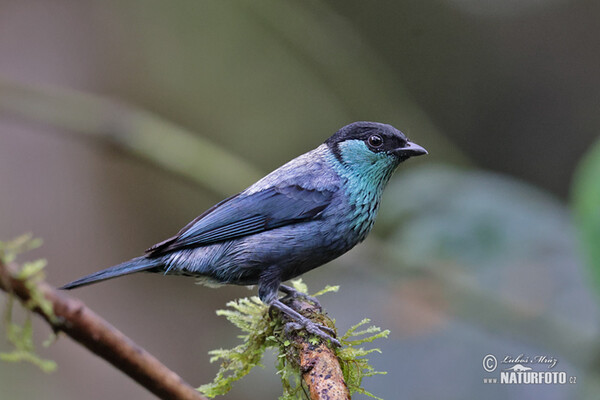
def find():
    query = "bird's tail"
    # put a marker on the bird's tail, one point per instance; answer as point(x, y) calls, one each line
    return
point(128, 267)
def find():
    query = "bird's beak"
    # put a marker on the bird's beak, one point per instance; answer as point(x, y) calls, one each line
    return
point(410, 150)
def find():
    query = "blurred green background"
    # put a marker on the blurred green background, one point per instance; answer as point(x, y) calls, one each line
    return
point(120, 121)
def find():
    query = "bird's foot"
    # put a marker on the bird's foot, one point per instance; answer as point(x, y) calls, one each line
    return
point(299, 322)
point(291, 293)
point(322, 331)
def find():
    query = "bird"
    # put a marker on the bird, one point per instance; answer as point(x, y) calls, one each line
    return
point(302, 215)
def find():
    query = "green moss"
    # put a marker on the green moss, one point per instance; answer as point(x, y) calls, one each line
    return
point(355, 365)
point(260, 332)
point(250, 315)
point(21, 336)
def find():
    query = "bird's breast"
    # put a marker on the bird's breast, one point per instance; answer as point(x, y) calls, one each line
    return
point(362, 200)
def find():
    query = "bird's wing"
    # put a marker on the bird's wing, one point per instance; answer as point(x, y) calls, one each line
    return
point(247, 214)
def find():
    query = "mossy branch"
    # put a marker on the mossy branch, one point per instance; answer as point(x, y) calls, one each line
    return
point(308, 366)
point(72, 317)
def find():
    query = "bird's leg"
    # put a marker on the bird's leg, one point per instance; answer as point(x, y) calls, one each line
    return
point(268, 286)
point(292, 293)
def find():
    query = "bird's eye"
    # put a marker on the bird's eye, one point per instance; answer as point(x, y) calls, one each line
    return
point(375, 141)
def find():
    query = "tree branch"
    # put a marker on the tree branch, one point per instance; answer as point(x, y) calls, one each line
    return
point(322, 373)
point(86, 327)
point(320, 366)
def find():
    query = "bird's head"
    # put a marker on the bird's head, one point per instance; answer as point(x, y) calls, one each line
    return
point(371, 148)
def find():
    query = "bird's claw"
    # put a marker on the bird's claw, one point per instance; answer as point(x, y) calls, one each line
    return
point(322, 331)
point(298, 321)
point(327, 329)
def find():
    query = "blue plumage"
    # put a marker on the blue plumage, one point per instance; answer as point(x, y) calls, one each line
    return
point(302, 215)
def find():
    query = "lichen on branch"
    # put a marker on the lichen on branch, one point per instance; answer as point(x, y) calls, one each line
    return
point(65, 314)
point(20, 336)
point(301, 359)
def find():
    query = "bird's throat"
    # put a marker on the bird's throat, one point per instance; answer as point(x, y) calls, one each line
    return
point(363, 187)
